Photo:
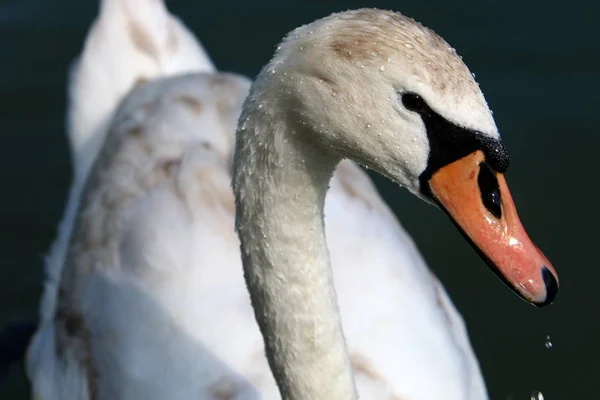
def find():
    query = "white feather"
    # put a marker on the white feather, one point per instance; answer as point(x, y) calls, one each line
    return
point(154, 303)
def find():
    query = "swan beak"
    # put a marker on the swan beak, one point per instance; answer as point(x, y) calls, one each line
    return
point(478, 201)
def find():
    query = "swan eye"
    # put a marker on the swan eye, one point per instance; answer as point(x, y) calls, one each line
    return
point(488, 186)
point(413, 102)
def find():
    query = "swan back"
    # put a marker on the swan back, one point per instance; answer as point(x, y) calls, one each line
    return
point(136, 281)
point(130, 42)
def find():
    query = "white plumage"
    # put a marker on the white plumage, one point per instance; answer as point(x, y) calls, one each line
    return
point(152, 301)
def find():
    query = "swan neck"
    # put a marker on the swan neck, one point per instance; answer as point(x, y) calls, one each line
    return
point(280, 183)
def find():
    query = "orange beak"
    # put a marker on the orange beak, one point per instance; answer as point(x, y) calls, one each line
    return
point(478, 201)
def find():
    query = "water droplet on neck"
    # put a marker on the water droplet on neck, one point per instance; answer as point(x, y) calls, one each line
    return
point(369, 125)
point(537, 395)
point(409, 46)
point(382, 68)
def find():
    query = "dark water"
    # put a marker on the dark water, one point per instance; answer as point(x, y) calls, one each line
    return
point(538, 64)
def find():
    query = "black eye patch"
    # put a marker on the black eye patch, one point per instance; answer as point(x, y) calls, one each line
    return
point(449, 142)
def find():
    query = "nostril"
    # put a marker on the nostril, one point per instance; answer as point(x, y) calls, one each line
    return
point(490, 192)
point(551, 286)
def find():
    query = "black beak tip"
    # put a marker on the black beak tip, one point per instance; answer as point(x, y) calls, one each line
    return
point(551, 287)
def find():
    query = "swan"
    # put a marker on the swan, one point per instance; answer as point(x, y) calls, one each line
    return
point(382, 90)
point(150, 301)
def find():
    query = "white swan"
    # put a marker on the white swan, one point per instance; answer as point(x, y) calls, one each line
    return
point(153, 304)
point(380, 89)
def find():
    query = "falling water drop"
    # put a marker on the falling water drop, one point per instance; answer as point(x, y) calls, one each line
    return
point(537, 395)
point(548, 342)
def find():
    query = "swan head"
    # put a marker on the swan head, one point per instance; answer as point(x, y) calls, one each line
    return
point(381, 89)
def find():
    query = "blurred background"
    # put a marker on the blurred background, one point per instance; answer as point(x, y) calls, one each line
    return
point(537, 63)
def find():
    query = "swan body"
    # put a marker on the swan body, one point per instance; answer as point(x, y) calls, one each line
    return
point(130, 42)
point(150, 301)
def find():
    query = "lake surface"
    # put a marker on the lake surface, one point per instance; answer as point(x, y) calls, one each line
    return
point(538, 65)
